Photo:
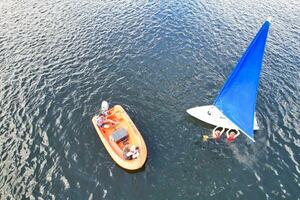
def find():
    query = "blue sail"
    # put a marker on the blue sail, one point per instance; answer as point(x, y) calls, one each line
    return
point(237, 98)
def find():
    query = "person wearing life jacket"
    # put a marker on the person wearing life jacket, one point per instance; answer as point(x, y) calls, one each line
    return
point(231, 135)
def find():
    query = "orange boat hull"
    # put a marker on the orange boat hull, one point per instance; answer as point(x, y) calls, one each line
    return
point(115, 150)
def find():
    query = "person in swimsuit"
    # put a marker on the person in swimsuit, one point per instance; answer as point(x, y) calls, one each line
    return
point(217, 133)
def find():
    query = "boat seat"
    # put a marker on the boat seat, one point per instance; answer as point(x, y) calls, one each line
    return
point(119, 135)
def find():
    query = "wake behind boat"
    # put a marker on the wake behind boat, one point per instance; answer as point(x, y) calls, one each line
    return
point(234, 107)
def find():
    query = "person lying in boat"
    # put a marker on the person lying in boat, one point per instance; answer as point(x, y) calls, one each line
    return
point(231, 135)
point(217, 133)
point(131, 153)
point(102, 121)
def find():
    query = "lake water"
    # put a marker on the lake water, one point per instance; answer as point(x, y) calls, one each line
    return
point(59, 59)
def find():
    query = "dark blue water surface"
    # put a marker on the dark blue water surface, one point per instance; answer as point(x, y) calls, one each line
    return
point(60, 58)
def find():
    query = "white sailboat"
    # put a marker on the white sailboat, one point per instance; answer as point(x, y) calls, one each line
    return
point(234, 107)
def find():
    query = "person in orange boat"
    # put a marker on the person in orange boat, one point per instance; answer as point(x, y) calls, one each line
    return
point(104, 108)
point(131, 153)
point(231, 135)
point(102, 121)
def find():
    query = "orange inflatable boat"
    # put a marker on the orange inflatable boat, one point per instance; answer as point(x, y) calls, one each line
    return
point(122, 139)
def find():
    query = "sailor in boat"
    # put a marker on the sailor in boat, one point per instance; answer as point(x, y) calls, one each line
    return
point(102, 120)
point(131, 153)
point(231, 135)
point(104, 108)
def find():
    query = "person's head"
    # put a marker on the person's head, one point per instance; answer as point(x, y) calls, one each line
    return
point(217, 132)
point(104, 106)
point(231, 133)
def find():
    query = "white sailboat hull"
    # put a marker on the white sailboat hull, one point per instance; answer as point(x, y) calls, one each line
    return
point(212, 115)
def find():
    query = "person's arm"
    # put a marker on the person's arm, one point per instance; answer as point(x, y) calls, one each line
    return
point(212, 135)
point(221, 133)
point(236, 135)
